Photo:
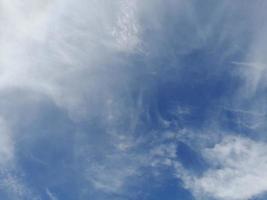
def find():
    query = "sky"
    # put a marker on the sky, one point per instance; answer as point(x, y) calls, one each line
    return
point(133, 100)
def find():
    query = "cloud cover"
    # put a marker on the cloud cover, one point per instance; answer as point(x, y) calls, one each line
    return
point(100, 97)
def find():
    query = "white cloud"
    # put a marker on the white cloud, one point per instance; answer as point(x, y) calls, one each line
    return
point(127, 30)
point(71, 52)
point(111, 179)
point(64, 49)
point(66, 52)
point(237, 172)
point(51, 195)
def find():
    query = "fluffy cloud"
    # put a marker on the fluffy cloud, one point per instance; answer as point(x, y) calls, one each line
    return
point(238, 170)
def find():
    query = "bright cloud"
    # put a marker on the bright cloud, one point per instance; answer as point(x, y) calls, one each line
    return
point(100, 97)
point(238, 170)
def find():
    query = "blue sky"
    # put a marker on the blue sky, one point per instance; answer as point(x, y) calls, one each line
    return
point(133, 100)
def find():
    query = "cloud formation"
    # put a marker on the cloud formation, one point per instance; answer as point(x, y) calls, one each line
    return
point(103, 96)
point(237, 170)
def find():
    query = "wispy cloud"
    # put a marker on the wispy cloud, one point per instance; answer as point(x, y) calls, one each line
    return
point(51, 195)
point(115, 86)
